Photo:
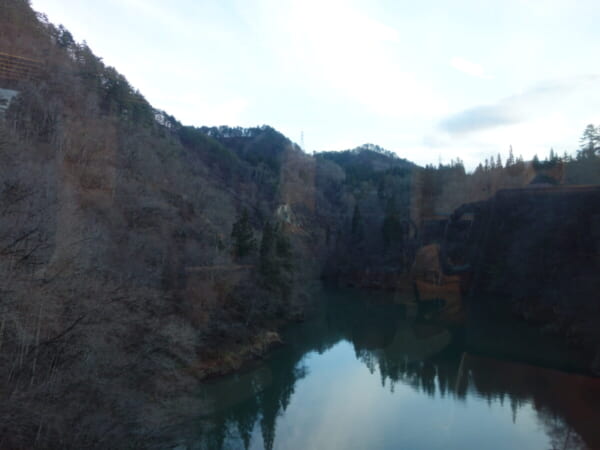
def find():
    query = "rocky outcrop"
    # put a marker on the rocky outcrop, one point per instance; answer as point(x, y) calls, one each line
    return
point(538, 254)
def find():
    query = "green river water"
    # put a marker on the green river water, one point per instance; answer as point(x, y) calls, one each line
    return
point(362, 374)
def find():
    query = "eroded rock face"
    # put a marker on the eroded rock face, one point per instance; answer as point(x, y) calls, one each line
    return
point(540, 258)
point(427, 263)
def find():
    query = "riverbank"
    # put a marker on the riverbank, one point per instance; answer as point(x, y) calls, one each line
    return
point(234, 356)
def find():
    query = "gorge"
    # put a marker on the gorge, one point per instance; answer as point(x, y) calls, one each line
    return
point(142, 260)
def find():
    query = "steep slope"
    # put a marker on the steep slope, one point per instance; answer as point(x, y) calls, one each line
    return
point(119, 285)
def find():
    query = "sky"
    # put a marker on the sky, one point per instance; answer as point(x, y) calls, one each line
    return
point(429, 80)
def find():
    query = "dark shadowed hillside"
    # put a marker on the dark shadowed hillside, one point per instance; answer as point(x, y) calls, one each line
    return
point(141, 255)
point(118, 259)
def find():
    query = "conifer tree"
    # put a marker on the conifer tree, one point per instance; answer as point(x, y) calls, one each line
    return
point(357, 223)
point(589, 143)
point(275, 263)
point(391, 228)
point(511, 157)
point(242, 234)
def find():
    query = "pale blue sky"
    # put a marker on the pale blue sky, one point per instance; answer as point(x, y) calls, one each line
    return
point(426, 79)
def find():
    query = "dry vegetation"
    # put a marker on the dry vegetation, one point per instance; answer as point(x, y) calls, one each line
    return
point(106, 203)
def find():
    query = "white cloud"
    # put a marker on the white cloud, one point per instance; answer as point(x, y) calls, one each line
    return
point(536, 135)
point(353, 71)
point(548, 114)
point(576, 94)
point(158, 13)
point(469, 67)
point(344, 50)
point(194, 109)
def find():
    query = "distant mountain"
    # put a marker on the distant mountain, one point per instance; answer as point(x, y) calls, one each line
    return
point(374, 157)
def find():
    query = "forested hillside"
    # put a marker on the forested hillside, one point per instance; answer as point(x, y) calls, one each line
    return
point(122, 282)
point(139, 255)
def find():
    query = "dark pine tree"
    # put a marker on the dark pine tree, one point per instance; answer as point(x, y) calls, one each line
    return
point(242, 234)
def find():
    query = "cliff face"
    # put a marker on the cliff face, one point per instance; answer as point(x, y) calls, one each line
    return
point(539, 255)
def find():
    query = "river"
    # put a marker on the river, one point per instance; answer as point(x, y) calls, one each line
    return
point(361, 373)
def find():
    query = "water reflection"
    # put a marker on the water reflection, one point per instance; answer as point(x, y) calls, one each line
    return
point(360, 375)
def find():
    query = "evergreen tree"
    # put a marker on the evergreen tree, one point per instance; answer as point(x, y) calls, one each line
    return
point(284, 252)
point(267, 245)
point(391, 228)
point(511, 157)
point(357, 223)
point(242, 234)
point(381, 188)
point(589, 143)
point(275, 263)
point(65, 38)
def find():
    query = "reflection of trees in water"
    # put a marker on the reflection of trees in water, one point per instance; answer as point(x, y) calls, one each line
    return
point(566, 404)
point(562, 436)
point(269, 399)
point(415, 357)
point(237, 423)
point(421, 357)
point(421, 376)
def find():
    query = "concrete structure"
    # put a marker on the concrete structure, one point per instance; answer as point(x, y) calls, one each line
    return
point(6, 95)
